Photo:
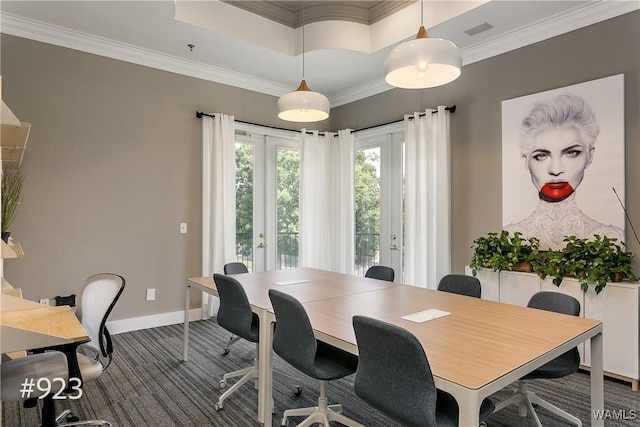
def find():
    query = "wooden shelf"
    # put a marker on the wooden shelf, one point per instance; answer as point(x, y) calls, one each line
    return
point(11, 250)
point(14, 141)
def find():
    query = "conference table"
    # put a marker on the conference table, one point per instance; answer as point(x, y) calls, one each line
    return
point(475, 348)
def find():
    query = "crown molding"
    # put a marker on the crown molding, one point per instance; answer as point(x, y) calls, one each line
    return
point(571, 20)
point(576, 18)
point(561, 23)
point(55, 35)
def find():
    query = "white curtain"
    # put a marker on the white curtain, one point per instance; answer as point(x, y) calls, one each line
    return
point(327, 201)
point(218, 199)
point(427, 198)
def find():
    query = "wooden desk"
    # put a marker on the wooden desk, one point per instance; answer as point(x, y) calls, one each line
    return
point(478, 349)
point(27, 325)
point(312, 285)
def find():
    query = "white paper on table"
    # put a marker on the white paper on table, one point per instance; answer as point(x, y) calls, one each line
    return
point(423, 316)
point(290, 282)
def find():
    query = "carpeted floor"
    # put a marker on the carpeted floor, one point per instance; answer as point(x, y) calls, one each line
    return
point(148, 385)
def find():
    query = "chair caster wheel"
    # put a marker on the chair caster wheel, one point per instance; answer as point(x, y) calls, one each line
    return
point(72, 419)
point(222, 384)
point(225, 351)
point(217, 406)
point(298, 391)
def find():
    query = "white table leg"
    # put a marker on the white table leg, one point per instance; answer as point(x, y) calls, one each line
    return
point(185, 338)
point(597, 381)
point(468, 405)
point(265, 366)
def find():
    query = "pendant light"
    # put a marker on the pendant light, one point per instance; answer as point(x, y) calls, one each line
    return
point(303, 104)
point(423, 62)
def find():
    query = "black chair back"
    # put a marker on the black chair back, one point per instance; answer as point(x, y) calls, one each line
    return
point(380, 272)
point(235, 313)
point(235, 268)
point(393, 373)
point(461, 284)
point(569, 362)
point(293, 339)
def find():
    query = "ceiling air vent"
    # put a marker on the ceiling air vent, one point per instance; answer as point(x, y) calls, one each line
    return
point(479, 29)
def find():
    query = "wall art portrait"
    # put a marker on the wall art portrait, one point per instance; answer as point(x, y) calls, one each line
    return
point(563, 165)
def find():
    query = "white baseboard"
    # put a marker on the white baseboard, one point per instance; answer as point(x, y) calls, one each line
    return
point(152, 321)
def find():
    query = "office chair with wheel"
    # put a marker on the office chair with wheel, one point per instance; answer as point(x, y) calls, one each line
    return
point(51, 365)
point(561, 366)
point(98, 297)
point(233, 268)
point(380, 272)
point(235, 316)
point(295, 343)
point(394, 376)
point(461, 284)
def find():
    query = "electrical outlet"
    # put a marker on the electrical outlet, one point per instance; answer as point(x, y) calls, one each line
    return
point(183, 228)
point(151, 294)
point(44, 301)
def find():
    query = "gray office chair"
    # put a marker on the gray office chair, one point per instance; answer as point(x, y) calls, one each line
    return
point(233, 268)
point(394, 376)
point(49, 365)
point(380, 272)
point(235, 315)
point(98, 297)
point(461, 284)
point(561, 366)
point(295, 343)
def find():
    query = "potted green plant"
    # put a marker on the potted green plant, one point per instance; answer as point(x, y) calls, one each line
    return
point(550, 263)
point(502, 251)
point(598, 261)
point(12, 183)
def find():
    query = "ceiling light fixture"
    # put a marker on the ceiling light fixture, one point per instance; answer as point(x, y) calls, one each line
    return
point(303, 104)
point(423, 62)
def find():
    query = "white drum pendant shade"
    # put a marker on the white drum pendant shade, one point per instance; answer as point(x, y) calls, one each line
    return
point(423, 62)
point(303, 105)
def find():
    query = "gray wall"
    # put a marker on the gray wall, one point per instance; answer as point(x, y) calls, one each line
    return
point(113, 159)
point(608, 48)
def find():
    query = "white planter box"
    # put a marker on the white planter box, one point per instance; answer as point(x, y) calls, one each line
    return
point(490, 282)
point(617, 306)
point(518, 288)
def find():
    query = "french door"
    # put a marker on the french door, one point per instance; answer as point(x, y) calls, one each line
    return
point(378, 196)
point(267, 190)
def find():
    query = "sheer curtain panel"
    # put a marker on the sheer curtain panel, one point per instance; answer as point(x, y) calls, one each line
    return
point(327, 201)
point(218, 199)
point(427, 245)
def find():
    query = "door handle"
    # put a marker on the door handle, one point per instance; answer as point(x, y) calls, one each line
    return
point(261, 245)
point(393, 247)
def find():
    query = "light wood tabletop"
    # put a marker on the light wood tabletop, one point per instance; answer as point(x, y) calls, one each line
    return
point(476, 343)
point(478, 348)
point(28, 325)
point(306, 284)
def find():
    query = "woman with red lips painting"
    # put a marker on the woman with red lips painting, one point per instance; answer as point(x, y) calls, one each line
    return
point(557, 142)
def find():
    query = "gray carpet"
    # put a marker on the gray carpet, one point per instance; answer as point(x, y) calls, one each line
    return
point(148, 385)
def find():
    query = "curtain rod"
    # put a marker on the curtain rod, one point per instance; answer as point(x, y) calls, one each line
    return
point(451, 109)
point(199, 115)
